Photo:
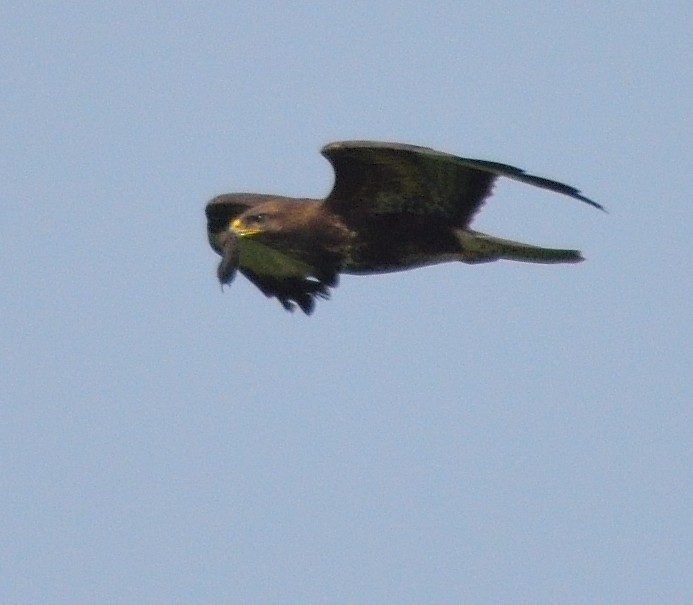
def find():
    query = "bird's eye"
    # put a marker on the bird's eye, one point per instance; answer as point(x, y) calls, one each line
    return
point(256, 219)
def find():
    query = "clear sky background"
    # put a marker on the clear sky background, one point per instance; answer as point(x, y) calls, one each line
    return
point(506, 433)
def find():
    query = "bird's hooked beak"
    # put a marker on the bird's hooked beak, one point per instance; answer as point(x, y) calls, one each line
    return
point(230, 257)
point(237, 227)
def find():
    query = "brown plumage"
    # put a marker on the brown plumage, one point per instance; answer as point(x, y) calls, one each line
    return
point(393, 207)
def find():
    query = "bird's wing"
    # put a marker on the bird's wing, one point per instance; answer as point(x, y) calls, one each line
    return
point(291, 291)
point(391, 178)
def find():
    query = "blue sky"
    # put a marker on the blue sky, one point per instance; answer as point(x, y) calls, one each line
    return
point(505, 433)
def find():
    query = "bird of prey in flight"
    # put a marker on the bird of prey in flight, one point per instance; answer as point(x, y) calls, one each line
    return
point(392, 207)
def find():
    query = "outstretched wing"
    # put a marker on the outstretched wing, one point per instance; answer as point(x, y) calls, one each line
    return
point(391, 178)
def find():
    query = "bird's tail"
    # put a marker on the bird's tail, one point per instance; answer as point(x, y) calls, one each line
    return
point(481, 248)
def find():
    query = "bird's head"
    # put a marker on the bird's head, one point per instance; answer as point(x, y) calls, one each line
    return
point(266, 219)
point(243, 227)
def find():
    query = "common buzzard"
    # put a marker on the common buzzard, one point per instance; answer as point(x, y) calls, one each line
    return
point(393, 207)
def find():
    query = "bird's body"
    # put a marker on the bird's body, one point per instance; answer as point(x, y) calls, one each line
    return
point(393, 207)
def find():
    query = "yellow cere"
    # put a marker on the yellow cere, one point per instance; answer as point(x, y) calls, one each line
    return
point(237, 226)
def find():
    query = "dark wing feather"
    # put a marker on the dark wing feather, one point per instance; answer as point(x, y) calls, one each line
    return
point(291, 291)
point(391, 178)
